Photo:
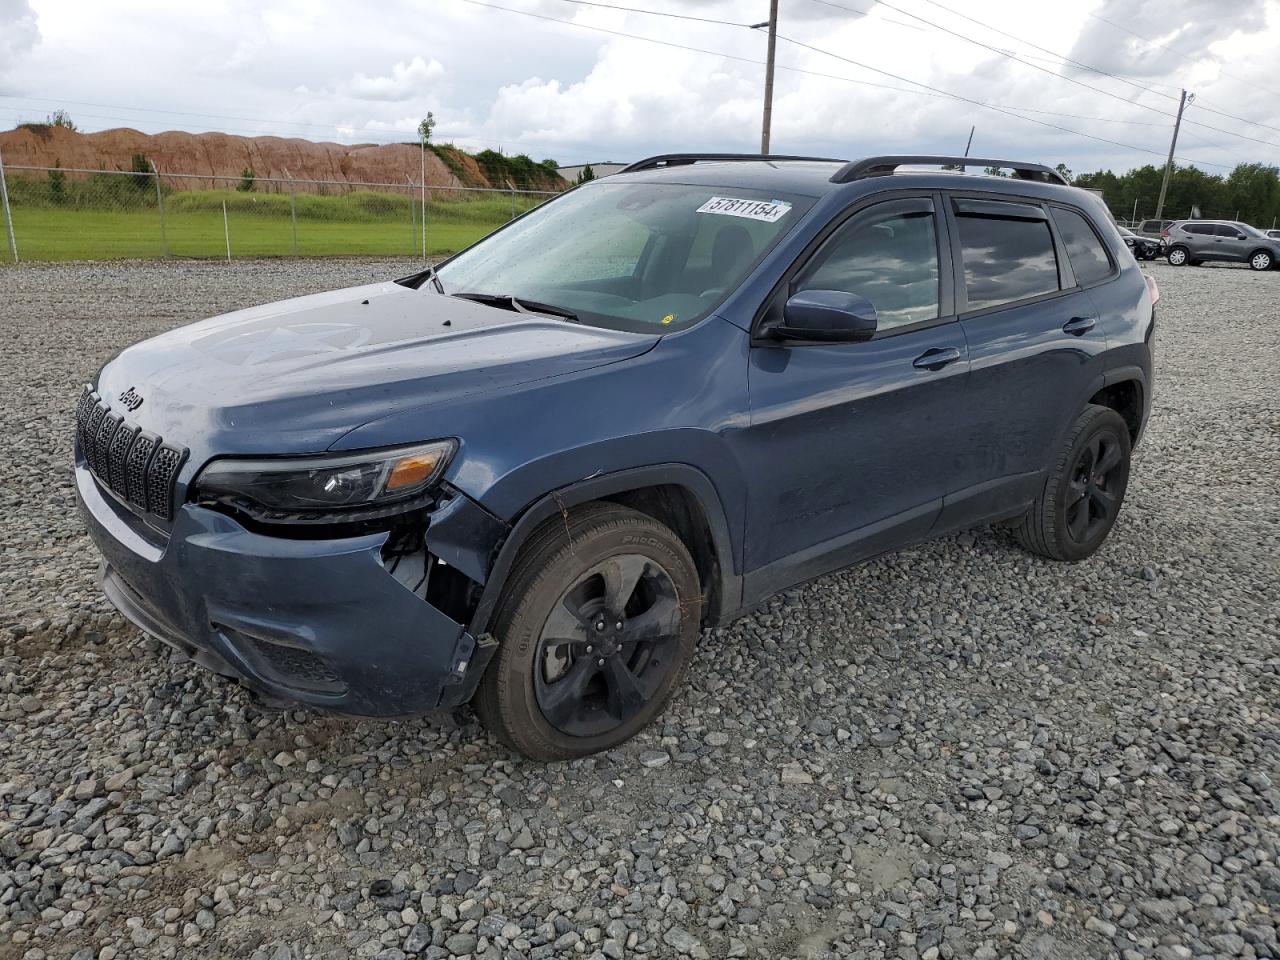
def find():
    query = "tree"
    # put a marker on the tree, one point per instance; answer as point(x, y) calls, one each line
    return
point(1065, 171)
point(994, 172)
point(57, 183)
point(586, 174)
point(60, 118)
point(550, 165)
point(246, 180)
point(426, 127)
point(141, 168)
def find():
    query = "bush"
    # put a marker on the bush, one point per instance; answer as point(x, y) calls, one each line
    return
point(246, 180)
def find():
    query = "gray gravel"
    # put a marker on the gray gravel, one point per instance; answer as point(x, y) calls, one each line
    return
point(955, 751)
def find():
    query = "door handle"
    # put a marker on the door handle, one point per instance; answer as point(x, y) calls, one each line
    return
point(1079, 326)
point(936, 358)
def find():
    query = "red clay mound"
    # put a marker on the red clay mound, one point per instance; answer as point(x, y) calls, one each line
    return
point(224, 155)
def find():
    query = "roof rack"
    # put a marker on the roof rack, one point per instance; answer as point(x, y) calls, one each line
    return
point(882, 166)
point(680, 159)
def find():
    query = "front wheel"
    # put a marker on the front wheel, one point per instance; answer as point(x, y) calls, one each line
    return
point(596, 626)
point(1177, 257)
point(1084, 490)
point(1262, 260)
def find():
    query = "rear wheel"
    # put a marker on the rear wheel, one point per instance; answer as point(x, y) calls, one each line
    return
point(598, 622)
point(1261, 260)
point(1084, 490)
point(1177, 256)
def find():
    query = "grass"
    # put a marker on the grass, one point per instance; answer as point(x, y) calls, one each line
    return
point(261, 225)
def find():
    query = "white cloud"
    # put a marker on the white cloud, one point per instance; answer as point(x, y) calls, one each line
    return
point(19, 33)
point(501, 79)
point(406, 80)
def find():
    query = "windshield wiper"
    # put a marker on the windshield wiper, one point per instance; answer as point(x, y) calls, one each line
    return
point(519, 304)
point(414, 281)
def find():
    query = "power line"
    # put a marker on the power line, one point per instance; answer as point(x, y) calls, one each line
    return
point(658, 13)
point(1173, 49)
point(988, 106)
point(1060, 76)
point(1084, 66)
point(742, 59)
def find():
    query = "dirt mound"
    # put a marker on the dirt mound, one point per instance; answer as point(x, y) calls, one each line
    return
point(224, 155)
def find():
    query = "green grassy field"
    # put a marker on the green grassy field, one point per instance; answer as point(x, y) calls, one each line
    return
point(259, 225)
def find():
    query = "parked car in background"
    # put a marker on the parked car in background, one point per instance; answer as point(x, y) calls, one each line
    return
point(1152, 229)
point(1274, 234)
point(1199, 241)
point(1144, 248)
point(531, 477)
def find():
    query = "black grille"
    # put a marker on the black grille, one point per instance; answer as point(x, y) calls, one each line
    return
point(296, 667)
point(138, 466)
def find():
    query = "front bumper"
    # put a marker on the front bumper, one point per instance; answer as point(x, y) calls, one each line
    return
point(320, 622)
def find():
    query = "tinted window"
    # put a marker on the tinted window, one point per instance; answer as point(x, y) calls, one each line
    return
point(1005, 259)
point(1226, 230)
point(888, 254)
point(1088, 257)
point(1201, 229)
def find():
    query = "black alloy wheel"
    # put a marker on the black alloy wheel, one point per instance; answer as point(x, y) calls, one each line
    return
point(606, 645)
point(597, 622)
point(1098, 480)
point(1083, 491)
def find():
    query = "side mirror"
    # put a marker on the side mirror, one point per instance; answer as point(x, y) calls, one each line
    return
point(827, 316)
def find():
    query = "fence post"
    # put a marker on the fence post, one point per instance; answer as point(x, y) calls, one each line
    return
point(8, 214)
point(512, 187)
point(293, 209)
point(413, 218)
point(226, 230)
point(164, 241)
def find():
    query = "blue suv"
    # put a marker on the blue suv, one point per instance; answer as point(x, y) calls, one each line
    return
point(526, 479)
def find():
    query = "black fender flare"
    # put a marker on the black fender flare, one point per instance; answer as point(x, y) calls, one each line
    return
point(690, 478)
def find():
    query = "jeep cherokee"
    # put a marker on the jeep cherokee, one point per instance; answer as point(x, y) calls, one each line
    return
point(527, 478)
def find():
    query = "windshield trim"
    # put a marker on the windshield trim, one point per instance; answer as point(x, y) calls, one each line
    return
point(802, 202)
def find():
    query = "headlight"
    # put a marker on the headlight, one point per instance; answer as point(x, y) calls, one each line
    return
point(364, 484)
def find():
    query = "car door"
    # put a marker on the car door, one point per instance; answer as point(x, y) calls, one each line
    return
point(849, 444)
point(1231, 241)
point(1034, 340)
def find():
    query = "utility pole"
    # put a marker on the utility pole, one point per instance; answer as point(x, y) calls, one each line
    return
point(767, 121)
point(1173, 144)
point(968, 144)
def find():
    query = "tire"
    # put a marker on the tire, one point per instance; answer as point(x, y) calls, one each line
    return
point(1261, 260)
point(1178, 256)
point(558, 587)
point(1051, 528)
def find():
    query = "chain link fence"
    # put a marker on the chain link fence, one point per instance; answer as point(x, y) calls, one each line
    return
point(52, 213)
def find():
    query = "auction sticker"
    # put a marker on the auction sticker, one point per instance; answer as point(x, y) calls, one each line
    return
point(768, 211)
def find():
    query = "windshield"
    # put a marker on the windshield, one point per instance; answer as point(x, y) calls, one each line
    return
point(635, 256)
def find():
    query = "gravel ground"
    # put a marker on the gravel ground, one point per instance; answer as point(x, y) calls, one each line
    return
point(955, 751)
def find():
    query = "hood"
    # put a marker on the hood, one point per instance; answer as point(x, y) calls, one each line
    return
point(294, 376)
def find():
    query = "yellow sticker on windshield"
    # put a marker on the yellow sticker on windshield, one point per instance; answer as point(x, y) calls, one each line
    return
point(669, 318)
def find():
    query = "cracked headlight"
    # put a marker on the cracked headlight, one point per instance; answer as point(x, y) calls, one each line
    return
point(365, 483)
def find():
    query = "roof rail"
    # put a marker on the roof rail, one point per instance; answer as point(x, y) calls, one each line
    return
point(680, 159)
point(881, 166)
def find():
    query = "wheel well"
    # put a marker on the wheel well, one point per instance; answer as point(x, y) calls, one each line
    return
point(681, 510)
point(1125, 398)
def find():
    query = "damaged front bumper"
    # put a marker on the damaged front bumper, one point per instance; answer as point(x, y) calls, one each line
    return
point(332, 623)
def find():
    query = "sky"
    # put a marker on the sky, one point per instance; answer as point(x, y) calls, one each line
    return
point(571, 81)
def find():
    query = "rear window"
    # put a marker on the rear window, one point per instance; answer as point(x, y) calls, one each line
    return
point(1200, 229)
point(1088, 256)
point(1007, 251)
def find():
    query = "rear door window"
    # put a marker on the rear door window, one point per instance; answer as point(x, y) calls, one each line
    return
point(1089, 258)
point(1006, 251)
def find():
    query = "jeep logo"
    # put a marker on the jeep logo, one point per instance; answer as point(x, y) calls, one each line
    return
point(131, 399)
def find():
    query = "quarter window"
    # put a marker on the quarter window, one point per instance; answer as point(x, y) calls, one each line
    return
point(1088, 257)
point(1006, 257)
point(888, 254)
